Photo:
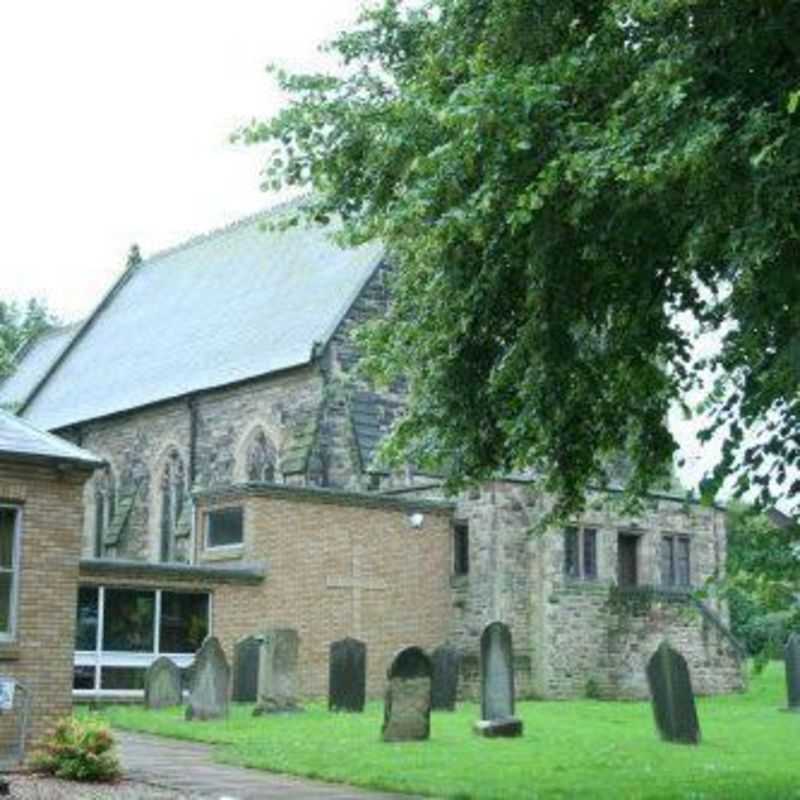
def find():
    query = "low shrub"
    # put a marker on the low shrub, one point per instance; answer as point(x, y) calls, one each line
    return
point(78, 750)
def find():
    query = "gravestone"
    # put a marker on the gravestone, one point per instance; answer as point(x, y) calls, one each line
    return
point(347, 682)
point(444, 687)
point(407, 705)
point(792, 659)
point(497, 683)
point(210, 683)
point(162, 684)
point(277, 672)
point(245, 669)
point(672, 696)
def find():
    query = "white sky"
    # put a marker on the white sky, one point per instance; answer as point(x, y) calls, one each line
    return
point(115, 125)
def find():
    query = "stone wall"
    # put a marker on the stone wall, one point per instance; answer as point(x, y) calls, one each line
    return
point(570, 638)
point(40, 655)
point(336, 565)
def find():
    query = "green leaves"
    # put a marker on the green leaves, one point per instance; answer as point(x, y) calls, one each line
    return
point(554, 180)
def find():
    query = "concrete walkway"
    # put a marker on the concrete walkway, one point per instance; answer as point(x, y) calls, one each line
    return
point(189, 767)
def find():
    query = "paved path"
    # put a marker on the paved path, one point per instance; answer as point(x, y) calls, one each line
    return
point(190, 768)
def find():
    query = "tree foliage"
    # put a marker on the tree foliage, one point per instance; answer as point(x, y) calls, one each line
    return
point(19, 323)
point(763, 580)
point(561, 185)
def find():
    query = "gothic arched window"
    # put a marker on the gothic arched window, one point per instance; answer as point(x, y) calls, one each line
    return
point(261, 458)
point(104, 499)
point(173, 494)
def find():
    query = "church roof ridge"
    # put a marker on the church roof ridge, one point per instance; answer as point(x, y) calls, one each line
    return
point(197, 239)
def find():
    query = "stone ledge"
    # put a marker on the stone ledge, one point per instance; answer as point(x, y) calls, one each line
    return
point(114, 568)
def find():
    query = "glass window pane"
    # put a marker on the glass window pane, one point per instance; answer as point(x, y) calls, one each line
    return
point(225, 527)
point(129, 620)
point(682, 566)
point(590, 553)
point(87, 616)
point(8, 520)
point(184, 621)
point(122, 677)
point(571, 564)
point(6, 587)
point(83, 678)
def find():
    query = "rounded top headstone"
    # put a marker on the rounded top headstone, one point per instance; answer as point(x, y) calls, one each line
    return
point(412, 662)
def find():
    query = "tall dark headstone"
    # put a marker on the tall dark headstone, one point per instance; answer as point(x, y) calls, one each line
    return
point(163, 684)
point(210, 683)
point(672, 696)
point(444, 689)
point(245, 669)
point(277, 672)
point(407, 705)
point(347, 684)
point(497, 683)
point(792, 659)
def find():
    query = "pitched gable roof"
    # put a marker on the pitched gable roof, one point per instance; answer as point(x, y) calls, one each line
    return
point(20, 440)
point(236, 304)
point(33, 362)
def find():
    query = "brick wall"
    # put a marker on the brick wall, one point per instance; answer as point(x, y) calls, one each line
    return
point(312, 546)
point(41, 655)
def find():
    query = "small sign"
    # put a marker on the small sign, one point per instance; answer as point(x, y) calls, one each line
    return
point(7, 687)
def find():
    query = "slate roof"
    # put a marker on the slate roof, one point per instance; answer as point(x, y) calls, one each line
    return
point(33, 362)
point(228, 306)
point(20, 440)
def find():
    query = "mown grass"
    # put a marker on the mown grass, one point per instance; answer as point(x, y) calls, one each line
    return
point(580, 749)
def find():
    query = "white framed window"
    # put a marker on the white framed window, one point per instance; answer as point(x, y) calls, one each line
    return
point(121, 630)
point(10, 533)
point(224, 527)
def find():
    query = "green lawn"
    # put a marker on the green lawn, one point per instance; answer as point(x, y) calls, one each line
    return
point(584, 748)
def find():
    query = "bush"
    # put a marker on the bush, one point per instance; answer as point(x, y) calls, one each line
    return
point(78, 750)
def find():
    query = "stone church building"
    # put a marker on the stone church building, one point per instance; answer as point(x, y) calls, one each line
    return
point(240, 490)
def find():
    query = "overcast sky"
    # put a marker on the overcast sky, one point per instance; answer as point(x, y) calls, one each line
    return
point(115, 125)
point(116, 119)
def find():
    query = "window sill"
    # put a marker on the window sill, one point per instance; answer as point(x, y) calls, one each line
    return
point(229, 553)
point(9, 651)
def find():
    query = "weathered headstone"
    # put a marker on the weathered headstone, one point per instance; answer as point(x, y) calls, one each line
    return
point(210, 683)
point(792, 659)
point(163, 684)
point(672, 696)
point(407, 705)
point(277, 672)
point(245, 669)
point(444, 688)
point(497, 683)
point(347, 682)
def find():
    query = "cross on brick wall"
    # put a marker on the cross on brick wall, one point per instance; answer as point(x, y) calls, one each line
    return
point(358, 583)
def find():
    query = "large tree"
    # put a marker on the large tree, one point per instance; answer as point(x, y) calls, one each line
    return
point(570, 190)
point(19, 323)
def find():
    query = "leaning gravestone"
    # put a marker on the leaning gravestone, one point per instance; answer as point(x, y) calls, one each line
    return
point(792, 659)
point(245, 669)
point(163, 684)
point(347, 682)
point(210, 684)
point(672, 696)
point(497, 683)
point(444, 688)
point(277, 672)
point(407, 705)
